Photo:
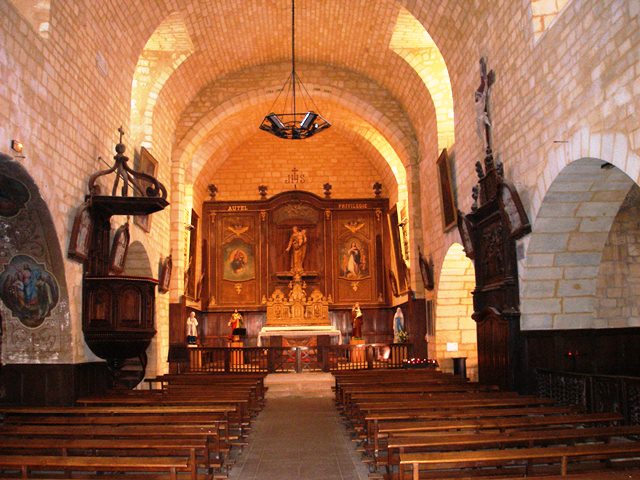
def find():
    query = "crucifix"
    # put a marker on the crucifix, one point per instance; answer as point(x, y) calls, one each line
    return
point(481, 100)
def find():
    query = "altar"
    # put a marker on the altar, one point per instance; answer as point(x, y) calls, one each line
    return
point(297, 318)
point(299, 332)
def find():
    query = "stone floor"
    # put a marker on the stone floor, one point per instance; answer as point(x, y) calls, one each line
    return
point(299, 434)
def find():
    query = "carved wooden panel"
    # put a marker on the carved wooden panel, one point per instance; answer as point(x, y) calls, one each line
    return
point(253, 248)
point(354, 244)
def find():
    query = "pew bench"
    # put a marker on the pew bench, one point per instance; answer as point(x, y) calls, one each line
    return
point(397, 446)
point(561, 455)
point(168, 467)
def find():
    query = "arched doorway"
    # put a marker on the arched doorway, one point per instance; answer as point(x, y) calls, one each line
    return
point(455, 329)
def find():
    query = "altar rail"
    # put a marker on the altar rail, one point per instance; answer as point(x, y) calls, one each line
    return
point(593, 393)
point(289, 359)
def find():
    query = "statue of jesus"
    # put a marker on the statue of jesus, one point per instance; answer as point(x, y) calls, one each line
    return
point(298, 247)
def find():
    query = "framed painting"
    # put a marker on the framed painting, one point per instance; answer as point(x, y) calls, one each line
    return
point(164, 278)
point(239, 261)
point(80, 241)
point(465, 235)
point(447, 201)
point(149, 165)
point(354, 259)
point(426, 270)
point(119, 249)
point(513, 211)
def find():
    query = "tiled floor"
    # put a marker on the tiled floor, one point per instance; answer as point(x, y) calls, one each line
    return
point(299, 434)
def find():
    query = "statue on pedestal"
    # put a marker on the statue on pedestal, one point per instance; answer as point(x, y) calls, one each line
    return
point(236, 323)
point(297, 247)
point(356, 321)
point(192, 329)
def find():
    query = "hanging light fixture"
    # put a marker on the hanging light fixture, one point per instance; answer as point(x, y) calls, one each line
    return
point(294, 125)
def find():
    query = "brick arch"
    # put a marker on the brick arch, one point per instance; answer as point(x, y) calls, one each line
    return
point(454, 306)
point(572, 223)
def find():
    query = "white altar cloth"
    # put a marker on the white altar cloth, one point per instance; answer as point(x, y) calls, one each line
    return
point(299, 331)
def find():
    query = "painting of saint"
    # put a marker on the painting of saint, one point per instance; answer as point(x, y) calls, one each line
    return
point(239, 261)
point(13, 196)
point(28, 290)
point(354, 259)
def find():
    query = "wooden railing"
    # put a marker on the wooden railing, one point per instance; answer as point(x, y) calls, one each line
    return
point(292, 359)
point(593, 393)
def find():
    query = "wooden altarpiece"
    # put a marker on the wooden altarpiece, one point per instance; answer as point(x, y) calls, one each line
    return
point(489, 233)
point(118, 312)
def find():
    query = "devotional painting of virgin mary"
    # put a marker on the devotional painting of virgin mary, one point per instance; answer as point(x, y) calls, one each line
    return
point(239, 261)
point(28, 290)
point(354, 259)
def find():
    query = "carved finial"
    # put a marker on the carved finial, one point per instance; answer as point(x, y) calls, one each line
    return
point(327, 190)
point(500, 169)
point(262, 189)
point(475, 191)
point(377, 189)
point(479, 170)
point(213, 190)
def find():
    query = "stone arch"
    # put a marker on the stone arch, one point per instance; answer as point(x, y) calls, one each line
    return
point(137, 263)
point(411, 41)
point(168, 46)
point(29, 238)
point(454, 305)
point(564, 251)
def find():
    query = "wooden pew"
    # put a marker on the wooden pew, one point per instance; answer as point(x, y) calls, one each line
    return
point(558, 454)
point(24, 463)
point(195, 449)
point(397, 446)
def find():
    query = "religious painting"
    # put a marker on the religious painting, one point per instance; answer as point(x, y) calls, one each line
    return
point(238, 261)
point(119, 249)
point(426, 270)
point(354, 258)
point(80, 241)
point(149, 165)
point(514, 214)
point(464, 229)
point(28, 290)
point(13, 196)
point(447, 201)
point(165, 275)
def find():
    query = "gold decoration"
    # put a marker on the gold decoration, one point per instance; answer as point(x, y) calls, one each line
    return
point(296, 308)
point(238, 287)
point(327, 214)
point(238, 229)
point(354, 225)
point(355, 285)
point(378, 214)
point(263, 215)
point(212, 217)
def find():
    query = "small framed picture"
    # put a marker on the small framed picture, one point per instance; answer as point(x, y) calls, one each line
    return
point(149, 165)
point(164, 278)
point(119, 249)
point(80, 241)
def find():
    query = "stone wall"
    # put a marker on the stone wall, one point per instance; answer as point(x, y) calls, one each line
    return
point(617, 303)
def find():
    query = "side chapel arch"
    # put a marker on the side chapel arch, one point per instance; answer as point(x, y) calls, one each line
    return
point(454, 306)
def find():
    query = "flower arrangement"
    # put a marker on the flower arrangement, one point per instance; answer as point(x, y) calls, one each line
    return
point(403, 336)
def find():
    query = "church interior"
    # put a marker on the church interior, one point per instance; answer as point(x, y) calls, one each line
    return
point(259, 186)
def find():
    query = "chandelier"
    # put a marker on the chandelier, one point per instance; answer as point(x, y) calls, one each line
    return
point(294, 125)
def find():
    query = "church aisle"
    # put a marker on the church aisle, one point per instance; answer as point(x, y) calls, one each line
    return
point(299, 434)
